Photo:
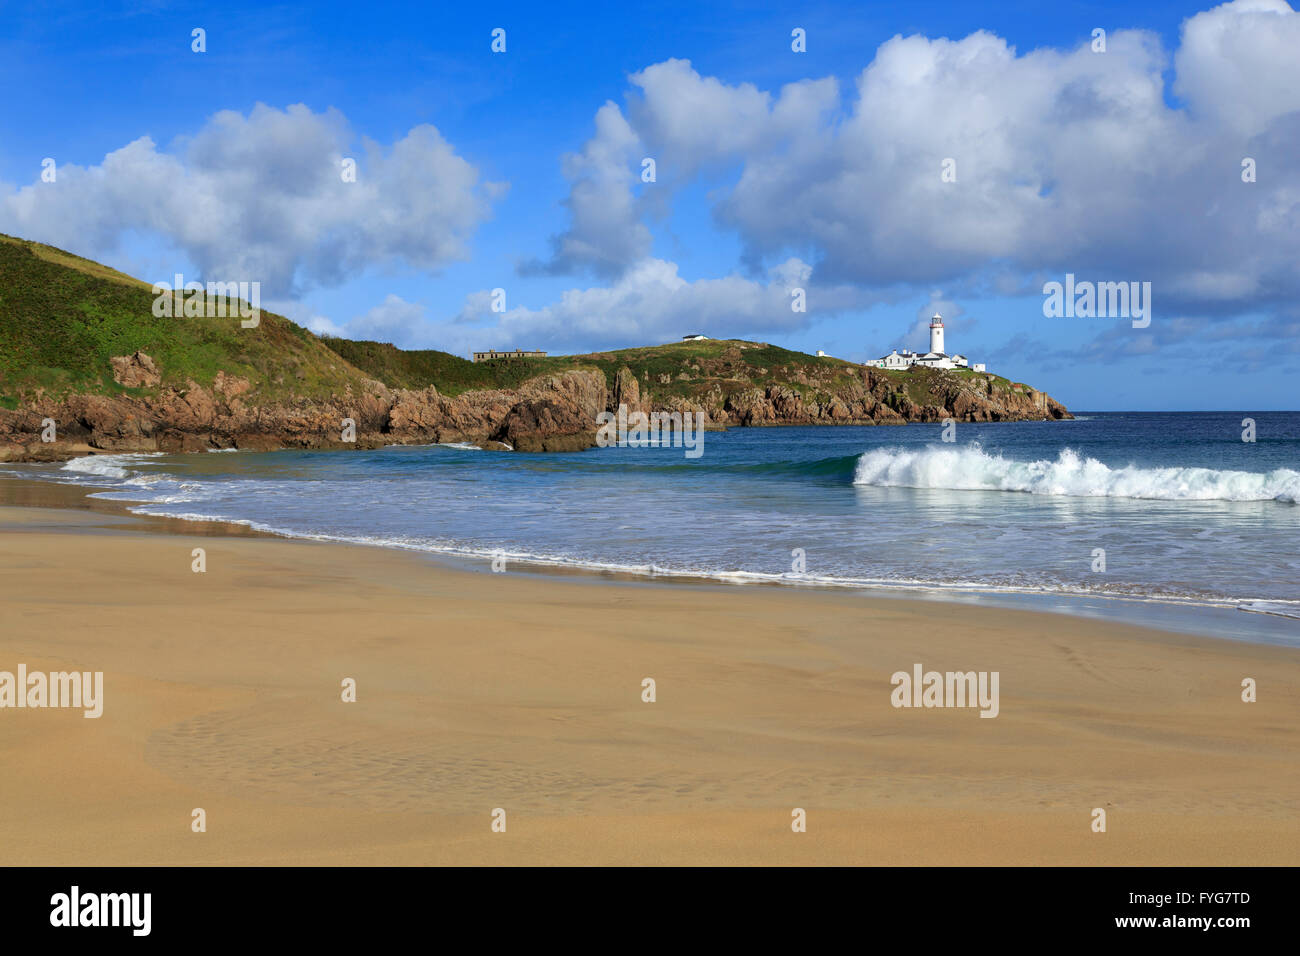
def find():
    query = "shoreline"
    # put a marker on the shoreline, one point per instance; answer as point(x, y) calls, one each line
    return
point(523, 691)
point(1191, 618)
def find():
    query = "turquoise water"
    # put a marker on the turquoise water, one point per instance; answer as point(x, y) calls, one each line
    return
point(1189, 516)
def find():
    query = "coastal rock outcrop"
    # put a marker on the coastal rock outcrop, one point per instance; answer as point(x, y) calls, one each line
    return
point(135, 371)
point(879, 400)
point(626, 391)
point(556, 412)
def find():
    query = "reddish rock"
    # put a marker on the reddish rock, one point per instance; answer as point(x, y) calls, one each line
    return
point(135, 371)
point(548, 413)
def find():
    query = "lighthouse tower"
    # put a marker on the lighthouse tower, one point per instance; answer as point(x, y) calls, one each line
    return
point(936, 333)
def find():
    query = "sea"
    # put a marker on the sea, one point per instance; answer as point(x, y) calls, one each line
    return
point(1172, 520)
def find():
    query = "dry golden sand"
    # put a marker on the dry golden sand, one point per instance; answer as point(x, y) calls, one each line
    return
point(479, 690)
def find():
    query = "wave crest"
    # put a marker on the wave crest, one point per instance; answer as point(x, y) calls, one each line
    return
point(970, 468)
point(101, 466)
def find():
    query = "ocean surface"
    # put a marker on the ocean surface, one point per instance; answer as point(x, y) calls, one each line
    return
point(1197, 526)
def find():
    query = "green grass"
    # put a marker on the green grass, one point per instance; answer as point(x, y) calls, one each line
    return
point(61, 323)
point(451, 374)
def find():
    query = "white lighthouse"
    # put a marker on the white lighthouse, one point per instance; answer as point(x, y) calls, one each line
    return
point(936, 334)
point(935, 358)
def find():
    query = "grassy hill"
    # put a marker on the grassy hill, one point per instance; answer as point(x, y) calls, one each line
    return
point(62, 318)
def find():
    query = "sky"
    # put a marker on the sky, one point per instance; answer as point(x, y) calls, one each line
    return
point(385, 174)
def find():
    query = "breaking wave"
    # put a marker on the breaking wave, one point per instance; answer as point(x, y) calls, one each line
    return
point(105, 466)
point(970, 468)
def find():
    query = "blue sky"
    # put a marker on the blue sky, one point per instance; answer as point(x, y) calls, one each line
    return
point(819, 170)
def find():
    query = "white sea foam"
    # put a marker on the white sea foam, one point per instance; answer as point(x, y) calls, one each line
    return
point(1276, 608)
point(970, 468)
point(900, 583)
point(104, 466)
point(95, 465)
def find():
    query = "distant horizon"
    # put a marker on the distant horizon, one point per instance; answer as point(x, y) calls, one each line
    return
point(1181, 411)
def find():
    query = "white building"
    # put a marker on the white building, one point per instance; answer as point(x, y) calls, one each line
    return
point(935, 358)
point(694, 337)
point(492, 354)
point(895, 360)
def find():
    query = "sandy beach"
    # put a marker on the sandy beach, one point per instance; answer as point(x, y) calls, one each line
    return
point(476, 691)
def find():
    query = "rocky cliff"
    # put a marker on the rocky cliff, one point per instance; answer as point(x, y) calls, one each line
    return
point(548, 413)
point(554, 413)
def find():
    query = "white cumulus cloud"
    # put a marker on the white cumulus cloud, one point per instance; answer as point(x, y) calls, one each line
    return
point(262, 198)
point(1122, 165)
